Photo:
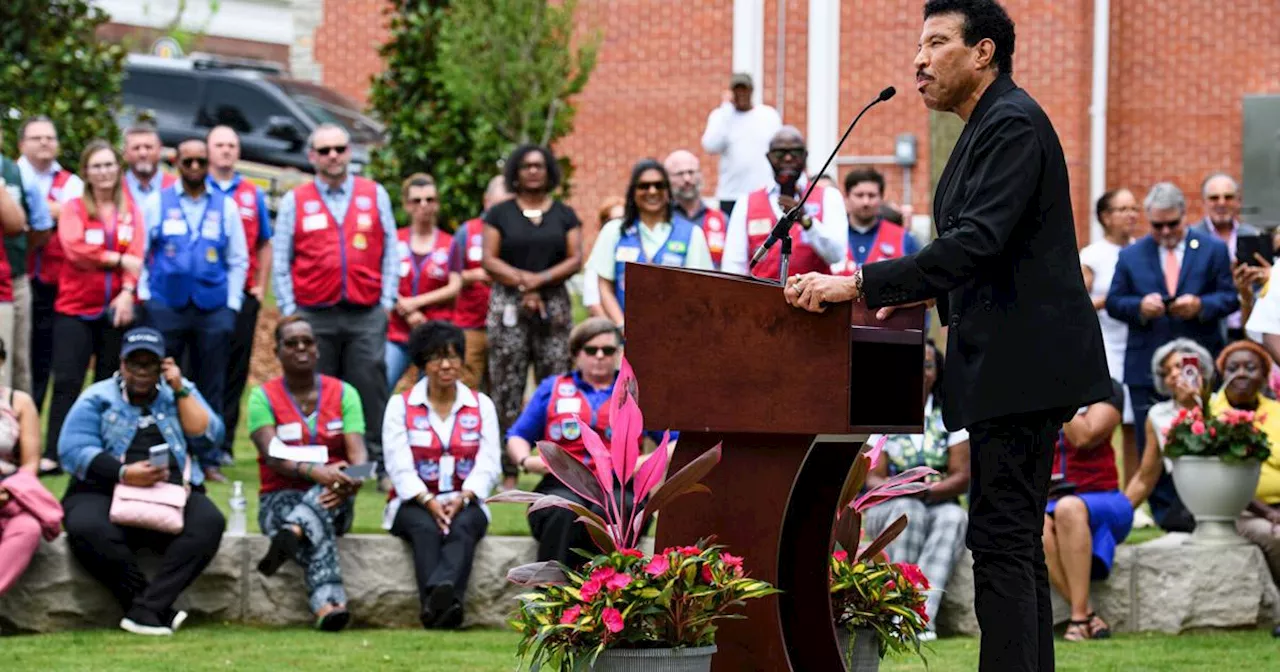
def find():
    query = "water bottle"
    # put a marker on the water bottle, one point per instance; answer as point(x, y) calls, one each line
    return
point(236, 526)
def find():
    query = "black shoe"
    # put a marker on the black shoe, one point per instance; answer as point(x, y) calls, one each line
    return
point(451, 618)
point(284, 545)
point(1276, 632)
point(334, 621)
point(140, 621)
point(439, 604)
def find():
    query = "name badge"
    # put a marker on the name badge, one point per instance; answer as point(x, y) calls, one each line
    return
point(289, 432)
point(404, 269)
point(627, 254)
point(334, 425)
point(94, 237)
point(316, 222)
point(246, 213)
point(568, 406)
point(447, 467)
point(715, 240)
point(474, 253)
point(420, 437)
point(173, 227)
point(211, 231)
point(759, 227)
point(313, 454)
point(363, 221)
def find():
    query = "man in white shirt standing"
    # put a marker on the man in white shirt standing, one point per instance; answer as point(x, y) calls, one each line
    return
point(739, 133)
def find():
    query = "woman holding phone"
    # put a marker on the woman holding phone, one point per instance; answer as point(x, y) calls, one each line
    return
point(308, 429)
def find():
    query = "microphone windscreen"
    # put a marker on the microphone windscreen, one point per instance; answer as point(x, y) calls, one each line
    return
point(887, 94)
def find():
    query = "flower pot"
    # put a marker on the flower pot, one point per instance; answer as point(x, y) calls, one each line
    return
point(1215, 492)
point(860, 650)
point(695, 659)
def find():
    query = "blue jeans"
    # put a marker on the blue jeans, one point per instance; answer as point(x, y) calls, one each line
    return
point(397, 359)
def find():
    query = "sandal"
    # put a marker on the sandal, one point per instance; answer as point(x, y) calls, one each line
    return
point(1098, 628)
point(1077, 631)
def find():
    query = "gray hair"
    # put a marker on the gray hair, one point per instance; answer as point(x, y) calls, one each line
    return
point(1165, 195)
point(1182, 346)
point(311, 140)
point(1204, 186)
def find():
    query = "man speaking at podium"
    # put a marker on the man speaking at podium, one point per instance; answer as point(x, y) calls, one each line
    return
point(1024, 350)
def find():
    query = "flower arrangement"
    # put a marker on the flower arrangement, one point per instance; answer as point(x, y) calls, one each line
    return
point(623, 598)
point(1232, 435)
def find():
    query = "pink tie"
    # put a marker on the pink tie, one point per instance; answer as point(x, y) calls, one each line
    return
point(1171, 272)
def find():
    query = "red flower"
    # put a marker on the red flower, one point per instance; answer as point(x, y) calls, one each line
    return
point(657, 566)
point(570, 615)
point(840, 556)
point(890, 585)
point(1182, 415)
point(618, 582)
point(919, 609)
point(733, 561)
point(590, 589)
point(690, 550)
point(632, 553)
point(612, 619)
point(1197, 427)
point(913, 574)
point(1213, 431)
point(707, 575)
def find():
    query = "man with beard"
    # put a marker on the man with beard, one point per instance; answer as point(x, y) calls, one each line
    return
point(194, 274)
point(818, 239)
point(687, 202)
point(142, 155)
point(872, 238)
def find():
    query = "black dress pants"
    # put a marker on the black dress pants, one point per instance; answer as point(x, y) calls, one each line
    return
point(78, 341)
point(109, 552)
point(440, 559)
point(1011, 460)
point(42, 299)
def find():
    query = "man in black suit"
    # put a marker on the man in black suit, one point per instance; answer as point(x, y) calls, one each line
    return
point(1024, 348)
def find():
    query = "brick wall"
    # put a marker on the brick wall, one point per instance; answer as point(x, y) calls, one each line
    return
point(1178, 71)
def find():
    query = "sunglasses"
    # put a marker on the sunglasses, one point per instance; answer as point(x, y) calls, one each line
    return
point(335, 150)
point(1214, 198)
point(1170, 225)
point(595, 350)
point(422, 199)
point(194, 162)
point(651, 186)
point(788, 153)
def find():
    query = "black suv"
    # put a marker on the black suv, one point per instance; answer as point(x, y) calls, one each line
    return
point(273, 114)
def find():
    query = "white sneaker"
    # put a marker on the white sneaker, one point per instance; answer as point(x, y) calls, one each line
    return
point(129, 625)
point(179, 618)
point(1142, 519)
point(928, 636)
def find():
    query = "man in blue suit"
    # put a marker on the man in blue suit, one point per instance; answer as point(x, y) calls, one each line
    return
point(1174, 282)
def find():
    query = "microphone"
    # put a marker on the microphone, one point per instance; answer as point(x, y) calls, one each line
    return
point(783, 227)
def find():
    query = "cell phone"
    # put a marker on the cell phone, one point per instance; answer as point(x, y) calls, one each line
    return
point(160, 455)
point(362, 472)
point(1247, 246)
point(1191, 370)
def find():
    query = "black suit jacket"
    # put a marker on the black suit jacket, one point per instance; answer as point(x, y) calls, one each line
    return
point(1005, 270)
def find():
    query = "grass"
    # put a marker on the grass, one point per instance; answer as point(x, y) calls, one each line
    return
point(239, 648)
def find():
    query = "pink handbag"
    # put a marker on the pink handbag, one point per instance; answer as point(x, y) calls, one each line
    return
point(159, 507)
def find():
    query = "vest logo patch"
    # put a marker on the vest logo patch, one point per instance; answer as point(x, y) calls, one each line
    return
point(571, 429)
point(887, 248)
point(677, 247)
point(311, 207)
point(468, 421)
point(554, 432)
point(359, 242)
point(421, 422)
point(364, 203)
point(363, 221)
point(440, 256)
point(247, 198)
point(471, 436)
point(567, 390)
point(429, 470)
point(759, 227)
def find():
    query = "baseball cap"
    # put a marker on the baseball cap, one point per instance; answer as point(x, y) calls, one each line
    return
point(741, 79)
point(142, 338)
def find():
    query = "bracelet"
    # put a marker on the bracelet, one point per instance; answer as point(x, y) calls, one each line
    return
point(309, 467)
point(120, 474)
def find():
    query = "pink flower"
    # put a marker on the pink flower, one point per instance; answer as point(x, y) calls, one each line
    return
point(733, 561)
point(633, 553)
point(840, 556)
point(590, 589)
point(657, 566)
point(1197, 427)
point(603, 574)
point(612, 619)
point(890, 585)
point(707, 575)
point(913, 574)
point(617, 582)
point(690, 550)
point(570, 615)
point(1213, 431)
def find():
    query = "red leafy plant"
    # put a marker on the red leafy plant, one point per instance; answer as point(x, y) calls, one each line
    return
point(623, 598)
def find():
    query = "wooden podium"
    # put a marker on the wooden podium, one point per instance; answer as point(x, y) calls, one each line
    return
point(791, 395)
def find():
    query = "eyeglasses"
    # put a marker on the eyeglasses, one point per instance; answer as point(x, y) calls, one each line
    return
point(422, 199)
point(335, 150)
point(194, 162)
point(1170, 225)
point(1227, 198)
point(1125, 209)
point(651, 186)
point(533, 166)
point(788, 153)
point(596, 350)
point(298, 343)
point(442, 357)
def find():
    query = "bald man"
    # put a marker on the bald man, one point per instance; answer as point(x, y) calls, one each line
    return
point(224, 152)
point(818, 239)
point(194, 273)
point(686, 193)
point(1222, 211)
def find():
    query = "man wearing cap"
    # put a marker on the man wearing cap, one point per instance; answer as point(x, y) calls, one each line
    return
point(739, 132)
point(194, 274)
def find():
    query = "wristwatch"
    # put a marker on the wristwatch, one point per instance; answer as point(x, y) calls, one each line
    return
point(425, 497)
point(183, 393)
point(857, 283)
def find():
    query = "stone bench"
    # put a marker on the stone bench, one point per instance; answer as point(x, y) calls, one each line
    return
point(1158, 586)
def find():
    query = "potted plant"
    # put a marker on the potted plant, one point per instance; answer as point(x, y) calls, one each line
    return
point(879, 606)
point(625, 610)
point(1216, 461)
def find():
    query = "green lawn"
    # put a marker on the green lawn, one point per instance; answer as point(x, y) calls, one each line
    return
point(225, 647)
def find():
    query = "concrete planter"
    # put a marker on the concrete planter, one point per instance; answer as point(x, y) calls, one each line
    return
point(859, 649)
point(696, 659)
point(1215, 492)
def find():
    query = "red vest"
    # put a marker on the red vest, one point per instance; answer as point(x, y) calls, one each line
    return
point(418, 279)
point(887, 245)
point(715, 226)
point(427, 448)
point(46, 262)
point(1092, 470)
point(566, 406)
point(761, 220)
point(245, 196)
point(86, 292)
point(329, 431)
point(472, 307)
point(337, 262)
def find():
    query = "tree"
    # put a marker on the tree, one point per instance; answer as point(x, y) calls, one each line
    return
point(454, 108)
point(52, 63)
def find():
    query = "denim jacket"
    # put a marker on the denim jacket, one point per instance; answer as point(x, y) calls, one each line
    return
point(103, 419)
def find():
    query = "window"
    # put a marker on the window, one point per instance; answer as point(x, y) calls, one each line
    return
point(171, 96)
point(242, 107)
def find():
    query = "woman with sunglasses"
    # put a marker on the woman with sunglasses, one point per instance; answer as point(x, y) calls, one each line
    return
point(103, 237)
point(427, 285)
point(443, 451)
point(645, 234)
point(553, 415)
point(532, 245)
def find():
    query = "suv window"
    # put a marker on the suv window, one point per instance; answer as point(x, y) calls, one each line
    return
point(242, 107)
point(171, 96)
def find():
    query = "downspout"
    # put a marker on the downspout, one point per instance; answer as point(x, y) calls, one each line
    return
point(1098, 110)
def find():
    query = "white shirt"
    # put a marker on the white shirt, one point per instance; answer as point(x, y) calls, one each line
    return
point(74, 188)
point(484, 475)
point(742, 141)
point(1265, 318)
point(828, 236)
point(1101, 258)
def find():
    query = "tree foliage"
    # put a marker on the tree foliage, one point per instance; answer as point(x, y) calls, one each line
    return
point(52, 63)
point(452, 103)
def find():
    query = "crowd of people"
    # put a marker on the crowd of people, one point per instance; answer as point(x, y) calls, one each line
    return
point(158, 280)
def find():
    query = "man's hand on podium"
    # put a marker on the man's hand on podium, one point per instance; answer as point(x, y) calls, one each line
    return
point(815, 291)
point(884, 313)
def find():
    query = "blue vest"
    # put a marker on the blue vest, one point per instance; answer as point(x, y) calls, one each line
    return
point(188, 260)
point(672, 253)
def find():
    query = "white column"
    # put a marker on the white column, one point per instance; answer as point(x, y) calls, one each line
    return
point(748, 43)
point(1098, 110)
point(824, 81)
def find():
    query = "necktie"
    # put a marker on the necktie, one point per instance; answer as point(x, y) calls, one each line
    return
point(1171, 272)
